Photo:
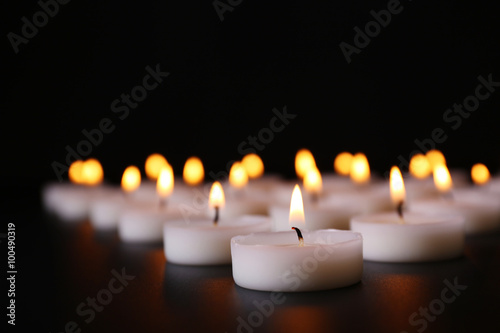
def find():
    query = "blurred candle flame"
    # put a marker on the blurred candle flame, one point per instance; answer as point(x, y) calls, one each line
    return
point(165, 182)
point(442, 178)
point(296, 217)
point(313, 182)
point(75, 172)
point(304, 160)
point(238, 176)
point(480, 174)
point(154, 163)
point(360, 169)
point(87, 172)
point(420, 167)
point(193, 173)
point(253, 165)
point(342, 163)
point(397, 186)
point(131, 179)
point(435, 158)
point(216, 197)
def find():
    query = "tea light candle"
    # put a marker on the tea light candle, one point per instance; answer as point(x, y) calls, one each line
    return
point(409, 237)
point(201, 241)
point(481, 212)
point(278, 261)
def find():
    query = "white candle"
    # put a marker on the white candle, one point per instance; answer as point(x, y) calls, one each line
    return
point(417, 238)
point(202, 242)
point(275, 261)
point(408, 237)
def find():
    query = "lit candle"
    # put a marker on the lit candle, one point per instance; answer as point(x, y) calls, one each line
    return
point(143, 222)
point(409, 237)
point(481, 212)
point(206, 241)
point(70, 201)
point(105, 210)
point(299, 260)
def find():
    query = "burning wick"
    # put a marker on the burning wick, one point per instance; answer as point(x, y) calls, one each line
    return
point(216, 217)
point(399, 209)
point(163, 203)
point(299, 235)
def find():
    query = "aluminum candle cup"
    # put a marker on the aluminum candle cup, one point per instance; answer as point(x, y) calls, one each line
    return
point(419, 238)
point(270, 261)
point(201, 242)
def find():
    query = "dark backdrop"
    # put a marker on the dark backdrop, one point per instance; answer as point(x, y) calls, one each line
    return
point(227, 76)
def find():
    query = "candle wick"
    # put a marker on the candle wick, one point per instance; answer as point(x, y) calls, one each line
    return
point(314, 197)
point(299, 235)
point(216, 217)
point(399, 209)
point(163, 203)
point(447, 195)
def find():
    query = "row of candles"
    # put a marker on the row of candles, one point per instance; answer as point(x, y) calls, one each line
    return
point(263, 226)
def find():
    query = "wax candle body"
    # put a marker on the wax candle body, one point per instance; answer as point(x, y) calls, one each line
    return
point(481, 212)
point(419, 238)
point(269, 261)
point(201, 242)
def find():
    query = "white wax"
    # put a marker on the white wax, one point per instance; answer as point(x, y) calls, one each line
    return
point(144, 222)
point(481, 212)
point(275, 262)
point(70, 202)
point(419, 238)
point(200, 242)
point(420, 188)
point(105, 210)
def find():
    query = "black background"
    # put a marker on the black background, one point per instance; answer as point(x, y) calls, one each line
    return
point(225, 79)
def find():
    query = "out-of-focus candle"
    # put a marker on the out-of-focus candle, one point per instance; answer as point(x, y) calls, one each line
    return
point(304, 160)
point(193, 173)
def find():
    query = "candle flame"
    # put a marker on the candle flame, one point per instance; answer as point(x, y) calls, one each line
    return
point(313, 182)
point(342, 163)
point(238, 176)
point(165, 181)
point(131, 179)
point(296, 217)
point(397, 186)
point(193, 173)
point(435, 158)
point(75, 172)
point(442, 178)
point(304, 160)
point(420, 167)
point(216, 197)
point(154, 163)
point(253, 165)
point(480, 174)
point(360, 169)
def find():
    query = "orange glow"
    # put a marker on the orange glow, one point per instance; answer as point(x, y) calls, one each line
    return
point(75, 172)
point(397, 186)
point(420, 167)
point(304, 160)
point(296, 217)
point(442, 178)
point(480, 174)
point(360, 169)
point(313, 182)
point(165, 182)
point(435, 158)
point(193, 173)
point(238, 176)
point(216, 197)
point(92, 172)
point(253, 165)
point(342, 163)
point(153, 165)
point(131, 179)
